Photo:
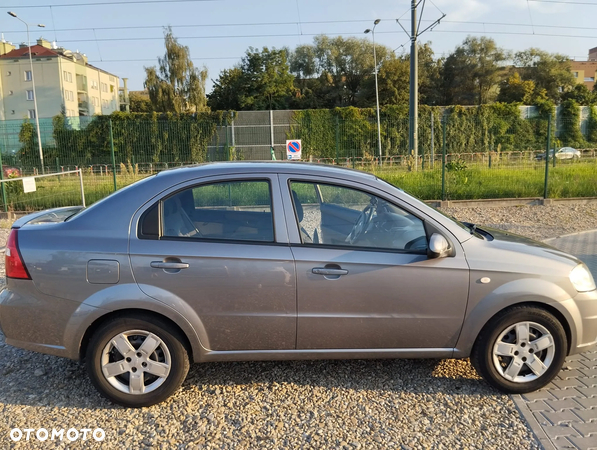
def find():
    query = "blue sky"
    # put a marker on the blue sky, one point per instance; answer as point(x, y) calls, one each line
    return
point(218, 32)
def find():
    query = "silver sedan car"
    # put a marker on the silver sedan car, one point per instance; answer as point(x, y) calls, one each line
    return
point(284, 260)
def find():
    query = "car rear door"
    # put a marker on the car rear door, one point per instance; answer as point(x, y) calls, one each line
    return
point(384, 294)
point(219, 248)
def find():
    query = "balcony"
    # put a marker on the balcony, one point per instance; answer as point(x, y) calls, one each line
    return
point(81, 83)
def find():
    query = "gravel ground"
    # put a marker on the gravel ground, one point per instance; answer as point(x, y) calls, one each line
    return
point(399, 404)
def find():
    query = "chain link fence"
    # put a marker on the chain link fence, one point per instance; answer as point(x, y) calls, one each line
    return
point(459, 157)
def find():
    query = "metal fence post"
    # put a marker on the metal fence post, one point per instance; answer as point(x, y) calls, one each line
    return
point(227, 144)
point(4, 201)
point(271, 128)
point(432, 144)
point(112, 154)
point(444, 158)
point(545, 191)
point(337, 138)
point(82, 190)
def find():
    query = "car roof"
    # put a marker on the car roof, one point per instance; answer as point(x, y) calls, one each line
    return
point(229, 167)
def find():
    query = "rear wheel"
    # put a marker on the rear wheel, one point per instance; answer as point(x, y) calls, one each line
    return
point(137, 362)
point(520, 350)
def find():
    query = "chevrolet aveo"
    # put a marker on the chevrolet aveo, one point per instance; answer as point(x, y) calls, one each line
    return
point(272, 261)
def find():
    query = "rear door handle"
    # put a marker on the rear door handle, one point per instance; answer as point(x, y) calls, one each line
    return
point(325, 271)
point(169, 265)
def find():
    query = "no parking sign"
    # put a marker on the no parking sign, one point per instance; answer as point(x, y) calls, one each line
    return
point(293, 149)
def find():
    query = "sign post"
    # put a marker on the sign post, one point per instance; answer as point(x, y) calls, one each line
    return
point(293, 149)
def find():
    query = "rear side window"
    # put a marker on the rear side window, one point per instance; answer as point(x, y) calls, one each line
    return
point(149, 227)
point(231, 210)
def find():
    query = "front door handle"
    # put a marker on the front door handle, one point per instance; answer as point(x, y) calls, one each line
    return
point(326, 271)
point(169, 265)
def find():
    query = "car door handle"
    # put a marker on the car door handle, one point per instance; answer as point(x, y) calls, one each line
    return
point(169, 265)
point(325, 271)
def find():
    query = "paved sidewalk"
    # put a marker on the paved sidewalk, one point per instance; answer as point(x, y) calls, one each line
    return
point(564, 414)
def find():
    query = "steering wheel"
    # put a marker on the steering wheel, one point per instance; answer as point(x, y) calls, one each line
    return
point(361, 224)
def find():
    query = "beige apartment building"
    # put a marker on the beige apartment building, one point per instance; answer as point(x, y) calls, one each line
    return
point(62, 79)
point(585, 72)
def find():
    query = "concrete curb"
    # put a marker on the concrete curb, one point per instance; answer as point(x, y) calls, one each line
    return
point(494, 203)
point(568, 235)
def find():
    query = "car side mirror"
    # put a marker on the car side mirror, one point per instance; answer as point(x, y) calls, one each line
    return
point(438, 246)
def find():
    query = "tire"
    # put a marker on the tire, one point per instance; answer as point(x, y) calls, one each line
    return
point(130, 375)
point(516, 364)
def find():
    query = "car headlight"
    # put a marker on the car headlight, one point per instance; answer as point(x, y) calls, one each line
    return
point(581, 279)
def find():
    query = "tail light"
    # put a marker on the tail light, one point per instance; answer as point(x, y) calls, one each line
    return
point(15, 267)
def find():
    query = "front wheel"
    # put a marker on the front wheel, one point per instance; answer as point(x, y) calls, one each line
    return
point(136, 362)
point(520, 350)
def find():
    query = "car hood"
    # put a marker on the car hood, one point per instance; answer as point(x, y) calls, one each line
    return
point(515, 243)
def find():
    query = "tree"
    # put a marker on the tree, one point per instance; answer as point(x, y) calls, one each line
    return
point(28, 138)
point(581, 95)
point(393, 78)
point(472, 72)
point(262, 80)
point(549, 71)
point(176, 86)
point(139, 103)
point(333, 71)
point(514, 89)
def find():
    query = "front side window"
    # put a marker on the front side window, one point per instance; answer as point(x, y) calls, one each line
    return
point(29, 95)
point(32, 114)
point(342, 216)
point(28, 75)
point(231, 210)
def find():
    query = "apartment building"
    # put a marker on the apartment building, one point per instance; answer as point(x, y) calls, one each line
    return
point(585, 72)
point(63, 79)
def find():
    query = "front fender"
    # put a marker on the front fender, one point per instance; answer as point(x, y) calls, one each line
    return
point(529, 291)
point(130, 296)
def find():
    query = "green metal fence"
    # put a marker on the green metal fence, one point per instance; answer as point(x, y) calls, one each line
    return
point(460, 157)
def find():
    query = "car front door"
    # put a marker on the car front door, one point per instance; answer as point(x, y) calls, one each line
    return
point(220, 248)
point(364, 279)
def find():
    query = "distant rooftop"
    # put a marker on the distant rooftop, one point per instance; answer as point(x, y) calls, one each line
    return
point(36, 50)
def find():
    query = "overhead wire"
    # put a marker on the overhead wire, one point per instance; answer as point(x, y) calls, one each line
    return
point(132, 2)
point(244, 36)
point(257, 24)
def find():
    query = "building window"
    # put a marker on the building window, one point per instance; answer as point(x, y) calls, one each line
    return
point(111, 88)
point(32, 114)
point(111, 78)
point(68, 76)
point(28, 75)
point(93, 84)
point(29, 94)
point(590, 79)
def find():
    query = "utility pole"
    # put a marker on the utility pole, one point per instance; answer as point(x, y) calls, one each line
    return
point(413, 109)
point(413, 102)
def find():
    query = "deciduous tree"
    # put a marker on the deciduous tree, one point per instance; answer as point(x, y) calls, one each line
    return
point(176, 85)
point(262, 80)
point(549, 71)
point(472, 72)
